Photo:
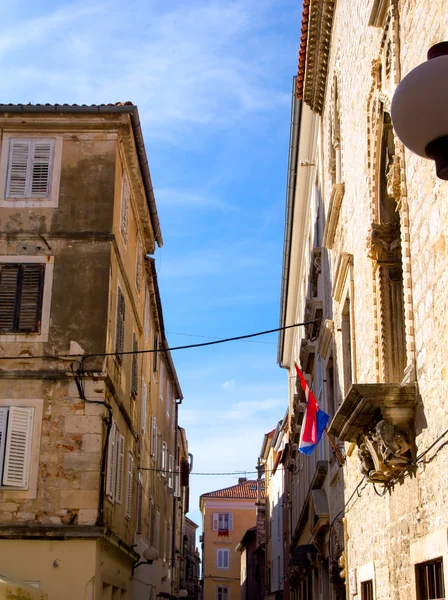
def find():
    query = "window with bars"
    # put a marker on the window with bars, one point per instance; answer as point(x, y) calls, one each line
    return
point(429, 580)
point(367, 590)
point(29, 168)
point(119, 334)
point(21, 292)
point(134, 375)
point(16, 428)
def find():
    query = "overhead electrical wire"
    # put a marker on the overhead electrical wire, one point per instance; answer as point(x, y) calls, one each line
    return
point(187, 347)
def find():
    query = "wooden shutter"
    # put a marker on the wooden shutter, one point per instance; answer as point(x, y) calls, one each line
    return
point(230, 521)
point(164, 455)
point(9, 285)
point(134, 370)
point(147, 315)
point(121, 317)
point(21, 290)
point(30, 302)
point(130, 486)
point(18, 446)
point(219, 559)
point(3, 423)
point(144, 398)
point(19, 152)
point(125, 196)
point(161, 381)
point(215, 521)
point(111, 463)
point(40, 170)
point(29, 168)
point(139, 264)
point(139, 503)
point(177, 482)
point(225, 559)
point(119, 452)
point(170, 471)
point(153, 437)
point(157, 537)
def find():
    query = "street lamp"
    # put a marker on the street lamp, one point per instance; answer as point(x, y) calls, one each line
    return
point(419, 109)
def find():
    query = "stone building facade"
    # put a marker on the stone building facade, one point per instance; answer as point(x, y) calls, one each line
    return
point(88, 453)
point(365, 255)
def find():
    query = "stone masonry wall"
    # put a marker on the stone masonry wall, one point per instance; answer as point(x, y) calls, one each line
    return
point(381, 529)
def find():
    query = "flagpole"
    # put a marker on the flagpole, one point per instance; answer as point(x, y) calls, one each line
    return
point(339, 456)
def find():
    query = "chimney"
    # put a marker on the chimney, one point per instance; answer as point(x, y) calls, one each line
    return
point(242, 479)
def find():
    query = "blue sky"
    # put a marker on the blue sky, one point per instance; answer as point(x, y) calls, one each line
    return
point(212, 80)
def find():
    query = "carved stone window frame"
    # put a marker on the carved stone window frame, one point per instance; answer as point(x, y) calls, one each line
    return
point(385, 77)
point(343, 292)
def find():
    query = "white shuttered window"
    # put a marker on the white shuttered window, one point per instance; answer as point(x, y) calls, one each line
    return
point(170, 471)
point(222, 558)
point(120, 468)
point(29, 168)
point(129, 486)
point(144, 397)
point(154, 438)
point(164, 458)
point(16, 427)
point(111, 463)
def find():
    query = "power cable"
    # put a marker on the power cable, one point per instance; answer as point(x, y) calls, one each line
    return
point(201, 345)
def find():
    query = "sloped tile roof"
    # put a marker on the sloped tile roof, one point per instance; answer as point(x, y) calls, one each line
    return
point(246, 489)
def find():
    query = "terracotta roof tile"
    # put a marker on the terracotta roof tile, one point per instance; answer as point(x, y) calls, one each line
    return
point(302, 50)
point(246, 489)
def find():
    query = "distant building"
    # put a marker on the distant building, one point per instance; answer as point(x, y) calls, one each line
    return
point(272, 457)
point(192, 560)
point(226, 516)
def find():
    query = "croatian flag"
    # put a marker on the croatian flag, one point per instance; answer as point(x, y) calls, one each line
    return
point(314, 421)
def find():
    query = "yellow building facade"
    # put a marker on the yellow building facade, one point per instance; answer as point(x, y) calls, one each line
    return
point(226, 516)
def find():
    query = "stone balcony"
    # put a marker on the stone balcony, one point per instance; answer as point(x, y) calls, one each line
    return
point(379, 418)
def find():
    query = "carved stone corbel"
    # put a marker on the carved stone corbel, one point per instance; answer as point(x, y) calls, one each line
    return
point(384, 452)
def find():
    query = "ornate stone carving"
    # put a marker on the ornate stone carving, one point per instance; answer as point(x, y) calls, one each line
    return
point(384, 242)
point(384, 452)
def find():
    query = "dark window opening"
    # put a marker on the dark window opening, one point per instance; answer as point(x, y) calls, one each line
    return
point(429, 579)
point(367, 590)
point(21, 292)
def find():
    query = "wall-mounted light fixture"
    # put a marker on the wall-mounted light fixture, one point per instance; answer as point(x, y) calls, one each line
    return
point(419, 109)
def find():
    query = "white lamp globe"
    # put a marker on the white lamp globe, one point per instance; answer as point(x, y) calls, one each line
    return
point(182, 594)
point(419, 109)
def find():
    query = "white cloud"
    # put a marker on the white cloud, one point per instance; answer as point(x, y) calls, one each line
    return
point(184, 199)
point(228, 385)
point(190, 66)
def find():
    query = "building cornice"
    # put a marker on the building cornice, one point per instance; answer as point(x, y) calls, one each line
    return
point(317, 23)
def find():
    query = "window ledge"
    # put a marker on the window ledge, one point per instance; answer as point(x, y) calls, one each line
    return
point(378, 417)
